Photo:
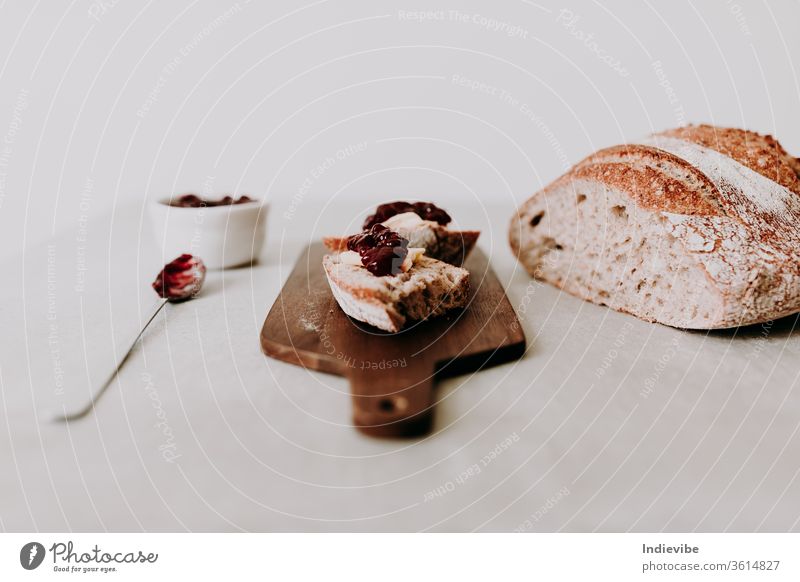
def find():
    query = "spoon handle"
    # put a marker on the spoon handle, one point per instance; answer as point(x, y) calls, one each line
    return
point(64, 416)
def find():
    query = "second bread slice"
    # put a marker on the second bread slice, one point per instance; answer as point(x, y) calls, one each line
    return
point(450, 246)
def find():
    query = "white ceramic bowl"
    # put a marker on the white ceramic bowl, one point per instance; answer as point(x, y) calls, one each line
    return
point(223, 236)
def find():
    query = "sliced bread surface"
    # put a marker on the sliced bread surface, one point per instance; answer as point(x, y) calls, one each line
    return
point(428, 289)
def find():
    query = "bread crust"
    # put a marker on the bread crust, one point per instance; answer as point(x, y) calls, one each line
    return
point(655, 179)
point(730, 197)
point(761, 153)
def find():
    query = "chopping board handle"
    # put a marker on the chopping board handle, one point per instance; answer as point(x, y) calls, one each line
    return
point(395, 403)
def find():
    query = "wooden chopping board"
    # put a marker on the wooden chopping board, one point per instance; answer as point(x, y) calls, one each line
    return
point(391, 376)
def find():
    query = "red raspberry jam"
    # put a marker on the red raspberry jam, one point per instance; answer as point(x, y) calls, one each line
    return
point(181, 279)
point(194, 201)
point(382, 250)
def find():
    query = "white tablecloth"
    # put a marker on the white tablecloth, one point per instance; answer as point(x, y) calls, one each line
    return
point(607, 423)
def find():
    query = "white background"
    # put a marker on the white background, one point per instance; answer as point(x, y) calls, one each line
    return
point(104, 107)
point(239, 103)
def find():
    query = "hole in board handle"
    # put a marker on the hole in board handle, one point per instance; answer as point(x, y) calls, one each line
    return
point(396, 404)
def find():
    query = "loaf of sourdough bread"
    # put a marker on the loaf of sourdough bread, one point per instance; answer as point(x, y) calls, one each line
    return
point(696, 227)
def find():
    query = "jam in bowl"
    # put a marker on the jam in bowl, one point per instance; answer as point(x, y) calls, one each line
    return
point(225, 230)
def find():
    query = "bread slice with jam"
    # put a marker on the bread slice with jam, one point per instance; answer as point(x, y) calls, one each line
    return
point(429, 288)
point(384, 282)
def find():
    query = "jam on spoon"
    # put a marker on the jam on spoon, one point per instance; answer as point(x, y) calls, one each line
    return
point(181, 279)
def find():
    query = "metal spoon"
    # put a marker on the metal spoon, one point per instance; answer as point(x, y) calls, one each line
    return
point(178, 281)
